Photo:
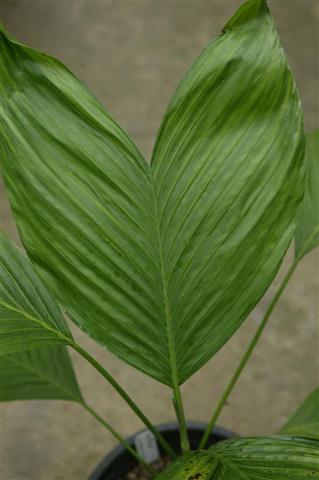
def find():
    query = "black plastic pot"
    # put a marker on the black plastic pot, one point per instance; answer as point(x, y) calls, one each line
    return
point(119, 462)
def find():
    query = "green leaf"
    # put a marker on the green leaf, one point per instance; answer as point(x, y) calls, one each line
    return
point(274, 458)
point(161, 264)
point(30, 318)
point(307, 233)
point(41, 374)
point(305, 421)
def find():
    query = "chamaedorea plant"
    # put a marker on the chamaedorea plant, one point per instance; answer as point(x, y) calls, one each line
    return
point(159, 262)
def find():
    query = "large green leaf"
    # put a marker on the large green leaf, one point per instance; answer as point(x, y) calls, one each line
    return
point(30, 317)
point(161, 263)
point(305, 420)
point(275, 458)
point(307, 233)
point(38, 375)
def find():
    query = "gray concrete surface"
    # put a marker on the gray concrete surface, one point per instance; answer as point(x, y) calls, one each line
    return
point(132, 54)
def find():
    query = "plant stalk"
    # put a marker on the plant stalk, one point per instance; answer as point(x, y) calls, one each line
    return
point(246, 355)
point(119, 438)
point(180, 414)
point(108, 377)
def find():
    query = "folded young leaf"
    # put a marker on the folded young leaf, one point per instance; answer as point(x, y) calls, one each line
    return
point(30, 317)
point(274, 458)
point(304, 422)
point(43, 374)
point(161, 264)
point(307, 233)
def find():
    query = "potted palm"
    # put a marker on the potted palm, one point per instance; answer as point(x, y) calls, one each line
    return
point(161, 262)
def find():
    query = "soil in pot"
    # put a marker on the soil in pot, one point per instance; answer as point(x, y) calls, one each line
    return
point(140, 473)
point(120, 465)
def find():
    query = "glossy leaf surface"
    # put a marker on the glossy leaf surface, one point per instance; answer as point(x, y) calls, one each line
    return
point(305, 420)
point(275, 458)
point(43, 374)
point(160, 263)
point(307, 233)
point(30, 317)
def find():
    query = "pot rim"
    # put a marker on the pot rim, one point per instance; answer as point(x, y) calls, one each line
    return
point(107, 461)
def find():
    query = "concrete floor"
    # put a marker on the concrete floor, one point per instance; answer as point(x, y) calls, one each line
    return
point(132, 54)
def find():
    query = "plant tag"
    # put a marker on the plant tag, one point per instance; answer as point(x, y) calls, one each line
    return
point(146, 446)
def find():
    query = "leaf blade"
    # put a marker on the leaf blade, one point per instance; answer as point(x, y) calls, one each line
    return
point(30, 318)
point(87, 182)
point(38, 374)
point(227, 218)
point(273, 458)
point(304, 422)
point(307, 233)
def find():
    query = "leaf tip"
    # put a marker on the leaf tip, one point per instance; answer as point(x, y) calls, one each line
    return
point(249, 12)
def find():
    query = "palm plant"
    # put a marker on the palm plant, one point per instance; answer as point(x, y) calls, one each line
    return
point(160, 262)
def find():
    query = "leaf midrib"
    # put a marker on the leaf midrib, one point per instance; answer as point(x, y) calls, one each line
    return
point(42, 376)
point(167, 313)
point(37, 321)
point(229, 464)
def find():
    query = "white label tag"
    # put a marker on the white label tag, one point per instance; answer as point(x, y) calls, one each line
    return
point(146, 446)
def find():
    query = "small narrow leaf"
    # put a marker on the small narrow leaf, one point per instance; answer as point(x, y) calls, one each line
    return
point(307, 233)
point(305, 421)
point(161, 264)
point(274, 458)
point(30, 318)
point(41, 374)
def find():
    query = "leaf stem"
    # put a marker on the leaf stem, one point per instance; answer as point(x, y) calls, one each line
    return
point(180, 414)
point(108, 377)
point(246, 356)
point(119, 438)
